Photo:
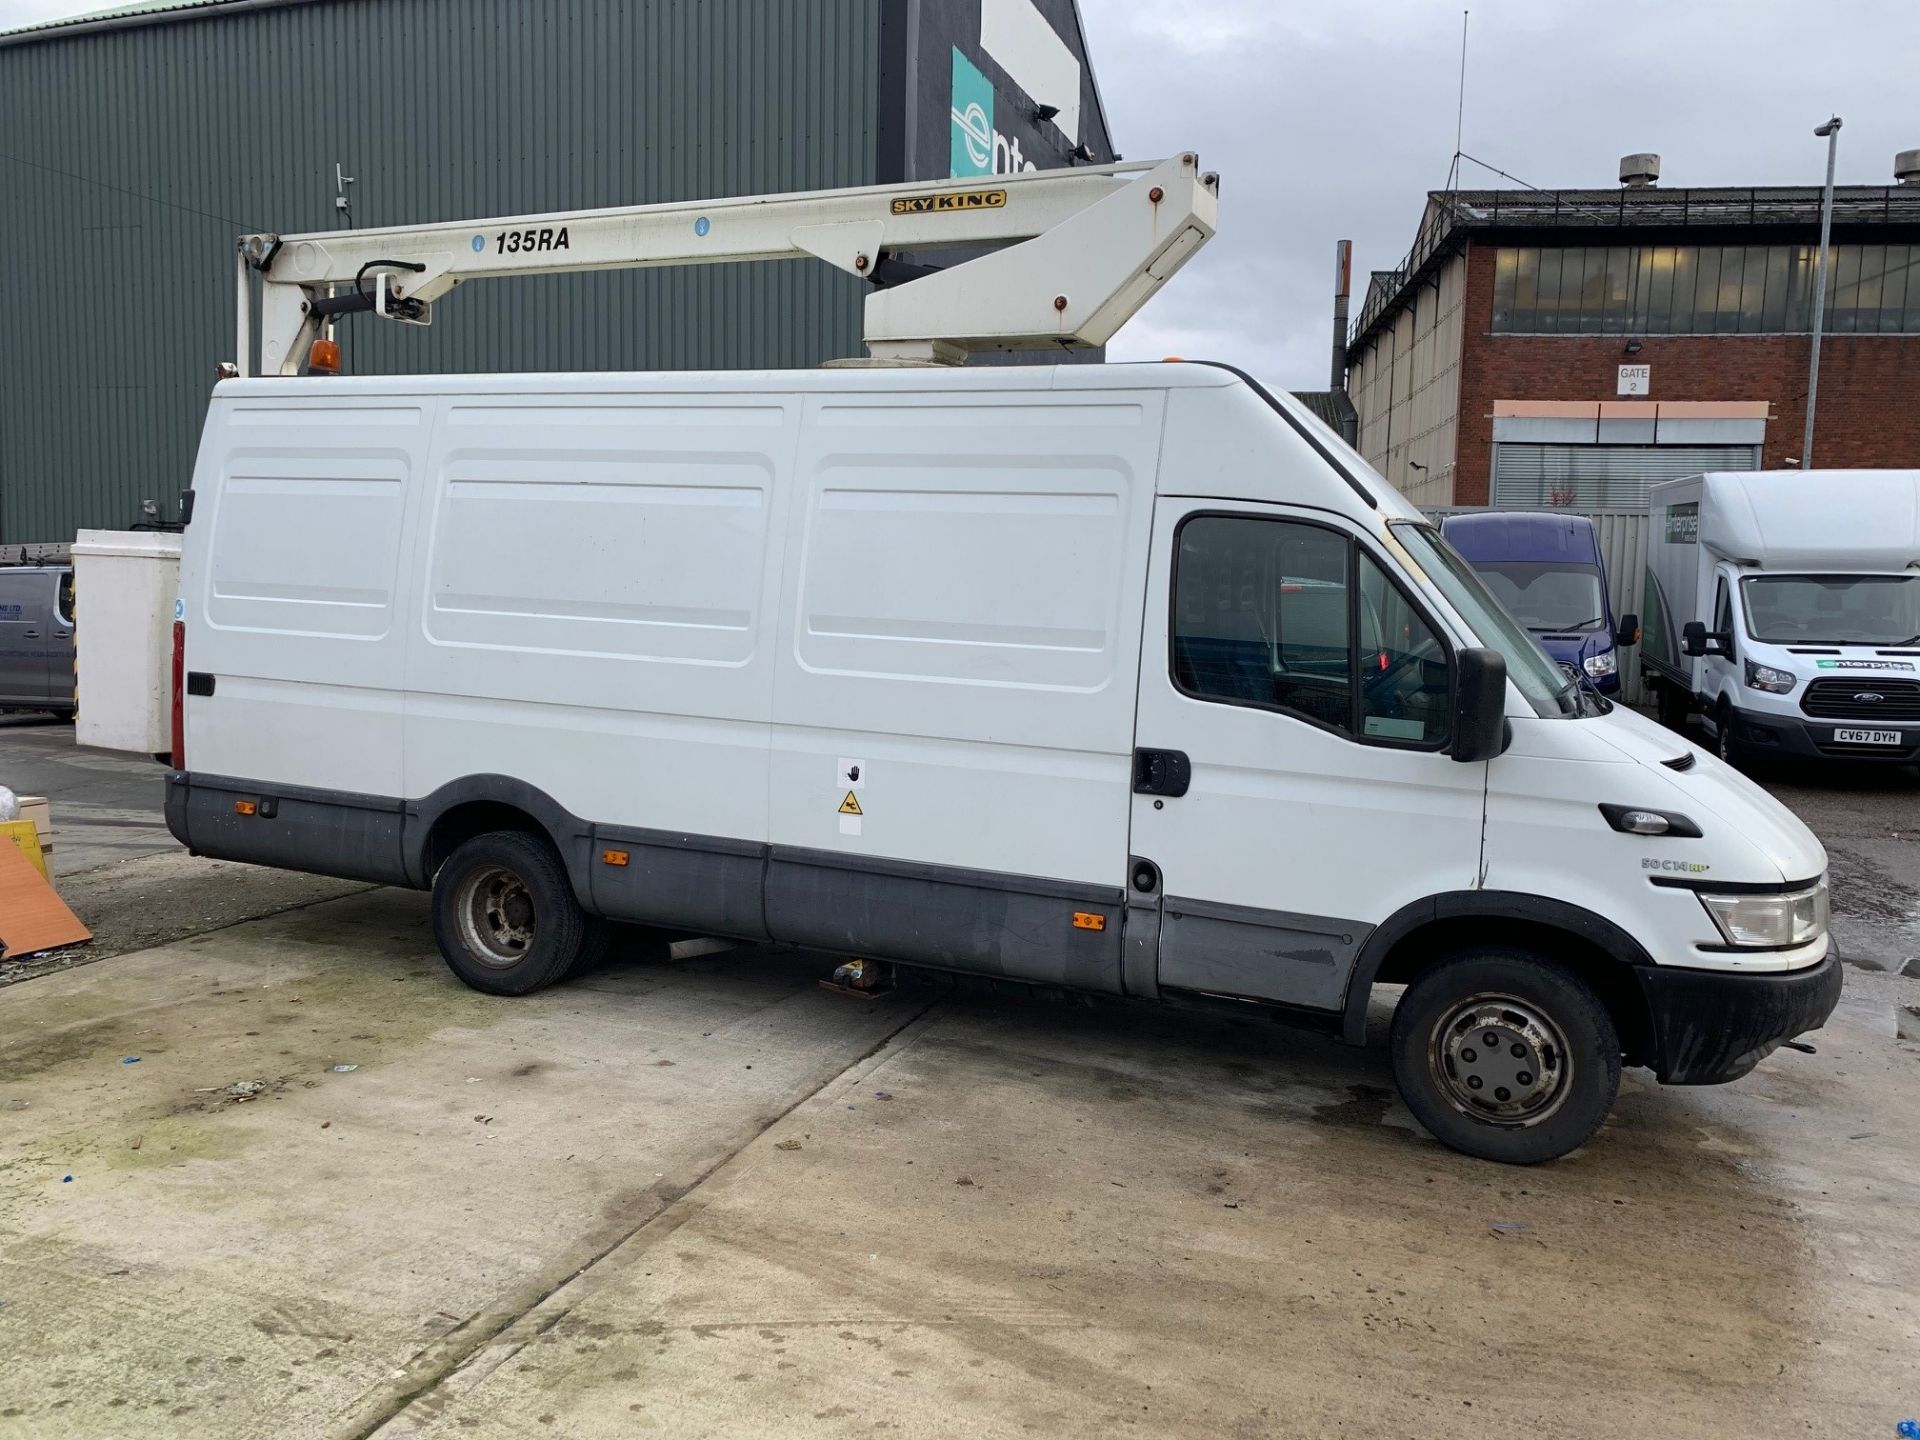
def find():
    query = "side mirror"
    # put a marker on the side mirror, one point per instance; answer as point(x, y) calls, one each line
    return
point(1627, 632)
point(1479, 704)
point(1696, 639)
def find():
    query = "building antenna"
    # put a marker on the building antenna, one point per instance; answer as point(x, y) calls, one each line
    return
point(1460, 112)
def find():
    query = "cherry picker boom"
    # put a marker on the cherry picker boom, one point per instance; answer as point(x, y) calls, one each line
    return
point(1079, 252)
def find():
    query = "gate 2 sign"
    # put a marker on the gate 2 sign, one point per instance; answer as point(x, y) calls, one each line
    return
point(1635, 380)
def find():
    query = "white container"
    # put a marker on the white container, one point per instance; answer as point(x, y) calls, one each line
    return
point(125, 582)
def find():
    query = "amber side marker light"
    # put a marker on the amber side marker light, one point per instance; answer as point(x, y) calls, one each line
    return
point(1173, 359)
point(324, 357)
point(1087, 920)
point(613, 857)
point(244, 807)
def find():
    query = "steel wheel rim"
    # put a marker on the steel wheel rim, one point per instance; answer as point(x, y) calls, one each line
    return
point(1501, 1060)
point(496, 915)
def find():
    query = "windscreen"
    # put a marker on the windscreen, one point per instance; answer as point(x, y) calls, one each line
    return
point(1548, 597)
point(1546, 687)
point(1833, 609)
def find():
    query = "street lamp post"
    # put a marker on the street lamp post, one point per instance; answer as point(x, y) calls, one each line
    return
point(1831, 133)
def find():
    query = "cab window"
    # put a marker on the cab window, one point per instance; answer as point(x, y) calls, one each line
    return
point(1403, 665)
point(1722, 608)
point(65, 602)
point(1293, 617)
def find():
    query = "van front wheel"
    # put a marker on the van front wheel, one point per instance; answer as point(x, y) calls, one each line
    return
point(504, 915)
point(1505, 1056)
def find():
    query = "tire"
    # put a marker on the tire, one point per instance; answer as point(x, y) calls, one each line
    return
point(1568, 1072)
point(1673, 706)
point(1724, 744)
point(505, 917)
point(596, 944)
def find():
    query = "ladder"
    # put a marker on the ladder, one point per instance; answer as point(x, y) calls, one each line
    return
point(1069, 256)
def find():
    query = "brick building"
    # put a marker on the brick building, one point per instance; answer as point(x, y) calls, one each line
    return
point(1569, 348)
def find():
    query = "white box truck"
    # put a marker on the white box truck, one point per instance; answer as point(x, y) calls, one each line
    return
point(1784, 606)
point(1125, 678)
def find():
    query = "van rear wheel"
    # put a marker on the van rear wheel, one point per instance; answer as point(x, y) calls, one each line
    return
point(505, 917)
point(1505, 1056)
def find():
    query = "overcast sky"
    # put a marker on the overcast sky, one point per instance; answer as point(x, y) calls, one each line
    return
point(1331, 120)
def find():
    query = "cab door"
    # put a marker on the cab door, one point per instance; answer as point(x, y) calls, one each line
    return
point(1722, 671)
point(1292, 786)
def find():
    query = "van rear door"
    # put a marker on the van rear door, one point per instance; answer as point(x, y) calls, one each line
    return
point(1292, 787)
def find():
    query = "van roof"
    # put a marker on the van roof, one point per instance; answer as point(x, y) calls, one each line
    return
point(836, 379)
point(1523, 535)
point(1800, 520)
point(1342, 461)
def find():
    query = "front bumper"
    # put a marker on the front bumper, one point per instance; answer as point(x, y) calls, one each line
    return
point(1765, 733)
point(1711, 1026)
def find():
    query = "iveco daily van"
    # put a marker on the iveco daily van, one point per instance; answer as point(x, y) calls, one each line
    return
point(1785, 607)
point(1125, 678)
point(1548, 572)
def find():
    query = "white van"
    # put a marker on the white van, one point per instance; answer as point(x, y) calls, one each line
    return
point(1785, 607)
point(1125, 678)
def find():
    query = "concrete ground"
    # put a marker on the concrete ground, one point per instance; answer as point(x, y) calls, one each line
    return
point(107, 803)
point(115, 864)
point(708, 1197)
point(1868, 817)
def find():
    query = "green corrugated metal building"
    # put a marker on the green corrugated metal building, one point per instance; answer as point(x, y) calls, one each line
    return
point(137, 142)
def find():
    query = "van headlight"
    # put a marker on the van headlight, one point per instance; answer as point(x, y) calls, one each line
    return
point(1604, 663)
point(1765, 677)
point(1775, 921)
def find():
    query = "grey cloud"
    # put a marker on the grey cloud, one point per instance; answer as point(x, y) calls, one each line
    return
point(1332, 121)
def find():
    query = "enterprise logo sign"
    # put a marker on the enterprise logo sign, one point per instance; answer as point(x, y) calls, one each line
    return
point(972, 110)
point(1015, 36)
point(1683, 523)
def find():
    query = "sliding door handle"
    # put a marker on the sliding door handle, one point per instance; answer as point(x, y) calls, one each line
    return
point(1161, 772)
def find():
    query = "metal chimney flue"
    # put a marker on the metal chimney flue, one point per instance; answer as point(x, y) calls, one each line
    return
point(1342, 286)
point(1906, 167)
point(1638, 172)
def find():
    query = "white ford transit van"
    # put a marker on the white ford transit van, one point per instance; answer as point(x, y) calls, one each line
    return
point(1125, 678)
point(1785, 607)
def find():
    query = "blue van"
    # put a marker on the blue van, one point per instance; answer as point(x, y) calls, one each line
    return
point(1547, 570)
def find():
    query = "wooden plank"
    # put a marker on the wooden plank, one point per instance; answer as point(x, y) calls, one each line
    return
point(32, 917)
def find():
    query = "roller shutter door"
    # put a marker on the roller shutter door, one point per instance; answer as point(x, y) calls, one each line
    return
point(1601, 477)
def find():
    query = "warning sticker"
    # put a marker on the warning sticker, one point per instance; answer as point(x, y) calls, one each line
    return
point(850, 813)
